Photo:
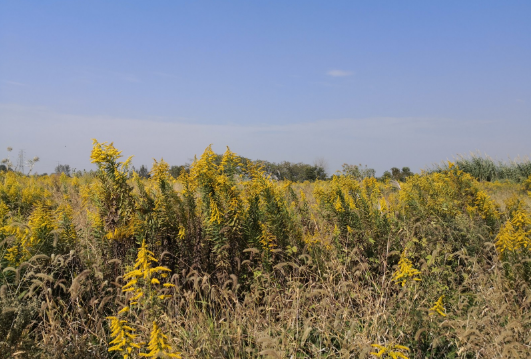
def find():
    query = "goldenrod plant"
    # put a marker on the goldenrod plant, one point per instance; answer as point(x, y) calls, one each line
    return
point(438, 307)
point(405, 271)
point(124, 339)
point(391, 351)
point(158, 345)
point(145, 293)
point(228, 260)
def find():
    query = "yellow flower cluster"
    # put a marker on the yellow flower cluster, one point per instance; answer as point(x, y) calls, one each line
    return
point(39, 228)
point(515, 235)
point(104, 153)
point(141, 281)
point(143, 270)
point(484, 206)
point(23, 190)
point(405, 271)
point(392, 351)
point(158, 345)
point(267, 239)
point(160, 171)
point(121, 233)
point(123, 341)
point(438, 307)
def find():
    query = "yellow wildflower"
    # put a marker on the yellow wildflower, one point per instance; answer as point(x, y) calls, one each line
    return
point(158, 345)
point(103, 153)
point(438, 307)
point(123, 337)
point(389, 351)
point(405, 271)
point(515, 235)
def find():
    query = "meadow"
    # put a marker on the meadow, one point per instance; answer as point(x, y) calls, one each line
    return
point(226, 262)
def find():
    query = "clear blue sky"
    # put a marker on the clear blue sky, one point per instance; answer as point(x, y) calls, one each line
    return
point(385, 83)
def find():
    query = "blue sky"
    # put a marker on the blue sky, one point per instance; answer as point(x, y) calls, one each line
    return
point(384, 83)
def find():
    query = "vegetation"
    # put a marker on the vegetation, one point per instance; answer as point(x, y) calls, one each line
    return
point(63, 169)
point(487, 169)
point(226, 261)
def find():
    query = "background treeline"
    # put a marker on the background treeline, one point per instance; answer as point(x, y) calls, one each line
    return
point(283, 171)
point(482, 168)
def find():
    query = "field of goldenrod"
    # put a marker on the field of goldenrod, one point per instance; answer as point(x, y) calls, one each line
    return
point(225, 262)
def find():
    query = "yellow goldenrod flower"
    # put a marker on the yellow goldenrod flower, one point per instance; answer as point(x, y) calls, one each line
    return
point(337, 205)
point(123, 310)
point(102, 152)
point(405, 271)
point(123, 337)
point(438, 307)
point(389, 351)
point(182, 232)
point(160, 171)
point(515, 235)
point(158, 345)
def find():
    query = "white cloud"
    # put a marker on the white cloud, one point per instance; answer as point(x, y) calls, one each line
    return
point(339, 73)
point(14, 83)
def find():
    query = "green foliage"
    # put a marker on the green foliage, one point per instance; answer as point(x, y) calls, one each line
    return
point(143, 172)
point(294, 172)
point(357, 171)
point(487, 169)
point(428, 265)
point(63, 169)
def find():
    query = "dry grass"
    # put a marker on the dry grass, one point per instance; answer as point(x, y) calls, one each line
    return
point(305, 273)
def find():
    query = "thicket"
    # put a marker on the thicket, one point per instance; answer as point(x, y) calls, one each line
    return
point(225, 262)
point(488, 169)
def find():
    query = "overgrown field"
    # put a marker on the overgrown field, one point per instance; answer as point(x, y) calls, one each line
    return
point(225, 262)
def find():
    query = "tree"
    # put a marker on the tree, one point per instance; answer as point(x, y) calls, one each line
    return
point(295, 172)
point(63, 169)
point(397, 174)
point(358, 171)
point(176, 171)
point(143, 172)
point(406, 172)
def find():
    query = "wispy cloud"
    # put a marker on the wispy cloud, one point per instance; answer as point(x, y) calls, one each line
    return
point(165, 74)
point(122, 76)
point(339, 73)
point(14, 83)
point(129, 78)
point(380, 142)
point(93, 76)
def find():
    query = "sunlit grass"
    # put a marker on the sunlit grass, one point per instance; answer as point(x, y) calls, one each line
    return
point(226, 262)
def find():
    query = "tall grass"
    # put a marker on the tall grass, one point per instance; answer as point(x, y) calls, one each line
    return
point(484, 168)
point(226, 263)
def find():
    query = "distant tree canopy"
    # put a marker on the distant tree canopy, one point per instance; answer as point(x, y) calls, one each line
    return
point(176, 171)
point(143, 172)
point(295, 172)
point(3, 168)
point(358, 171)
point(63, 169)
point(397, 174)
